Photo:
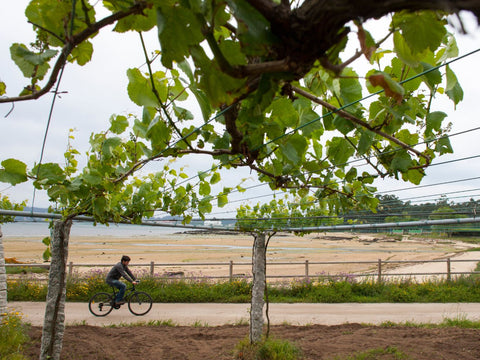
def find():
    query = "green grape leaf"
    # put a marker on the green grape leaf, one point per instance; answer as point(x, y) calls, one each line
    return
point(339, 151)
point(343, 125)
point(233, 52)
point(99, 206)
point(109, 146)
point(215, 178)
point(434, 122)
point(318, 149)
point(443, 146)
point(253, 29)
point(204, 188)
point(310, 123)
point(351, 174)
point(222, 200)
point(283, 111)
point(350, 88)
point(401, 161)
point(47, 254)
point(404, 52)
point(140, 90)
point(93, 177)
point(46, 241)
point(142, 22)
point(3, 88)
point(218, 87)
point(31, 64)
point(48, 174)
point(178, 30)
point(118, 124)
point(203, 102)
point(159, 134)
point(51, 15)
point(366, 141)
point(453, 90)
point(295, 148)
point(433, 76)
point(82, 53)
point(421, 29)
point(205, 205)
point(13, 172)
point(415, 176)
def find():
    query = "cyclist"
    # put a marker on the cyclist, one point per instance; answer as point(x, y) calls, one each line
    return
point(113, 278)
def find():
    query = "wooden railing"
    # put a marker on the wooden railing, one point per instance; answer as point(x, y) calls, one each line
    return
point(377, 270)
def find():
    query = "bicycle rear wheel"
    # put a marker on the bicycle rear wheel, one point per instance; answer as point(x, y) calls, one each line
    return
point(101, 304)
point(140, 303)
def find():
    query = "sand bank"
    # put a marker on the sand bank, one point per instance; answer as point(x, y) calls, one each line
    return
point(189, 249)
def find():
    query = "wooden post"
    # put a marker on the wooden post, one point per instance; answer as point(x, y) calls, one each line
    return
point(231, 270)
point(306, 271)
point(449, 272)
point(379, 270)
point(152, 268)
point(70, 268)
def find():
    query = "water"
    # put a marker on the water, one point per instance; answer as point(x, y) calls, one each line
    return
point(40, 228)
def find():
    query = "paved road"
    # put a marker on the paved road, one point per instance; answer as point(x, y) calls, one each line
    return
point(294, 314)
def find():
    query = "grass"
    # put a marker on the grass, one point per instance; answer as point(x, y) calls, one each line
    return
point(26, 270)
point(460, 322)
point(13, 336)
point(23, 269)
point(267, 349)
point(202, 290)
point(152, 323)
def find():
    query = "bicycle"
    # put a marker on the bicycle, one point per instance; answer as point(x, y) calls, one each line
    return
point(102, 303)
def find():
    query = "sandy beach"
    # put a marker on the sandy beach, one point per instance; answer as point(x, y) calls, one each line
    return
point(190, 249)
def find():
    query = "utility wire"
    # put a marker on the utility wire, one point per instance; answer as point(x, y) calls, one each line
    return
point(337, 182)
point(429, 185)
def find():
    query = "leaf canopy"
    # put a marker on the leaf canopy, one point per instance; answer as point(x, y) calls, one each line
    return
point(278, 92)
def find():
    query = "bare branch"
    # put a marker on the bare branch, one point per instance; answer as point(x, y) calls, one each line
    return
point(337, 69)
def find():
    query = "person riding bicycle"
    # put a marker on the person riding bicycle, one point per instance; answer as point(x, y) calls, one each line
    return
point(113, 278)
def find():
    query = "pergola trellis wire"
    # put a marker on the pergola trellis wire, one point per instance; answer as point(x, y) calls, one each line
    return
point(213, 227)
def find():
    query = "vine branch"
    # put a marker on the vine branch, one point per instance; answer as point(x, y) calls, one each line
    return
point(71, 44)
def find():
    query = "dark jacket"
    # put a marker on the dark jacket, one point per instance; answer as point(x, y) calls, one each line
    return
point(118, 271)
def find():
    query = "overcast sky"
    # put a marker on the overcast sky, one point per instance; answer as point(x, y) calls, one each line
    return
point(96, 91)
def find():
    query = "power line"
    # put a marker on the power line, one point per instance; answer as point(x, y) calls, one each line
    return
point(337, 182)
point(430, 185)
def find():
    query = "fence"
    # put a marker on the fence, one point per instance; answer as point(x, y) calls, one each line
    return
point(378, 269)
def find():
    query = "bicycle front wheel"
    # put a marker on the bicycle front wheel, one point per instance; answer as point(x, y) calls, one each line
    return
point(101, 304)
point(140, 303)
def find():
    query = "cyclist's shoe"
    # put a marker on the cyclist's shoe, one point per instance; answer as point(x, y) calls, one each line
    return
point(121, 302)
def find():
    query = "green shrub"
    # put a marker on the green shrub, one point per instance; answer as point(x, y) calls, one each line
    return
point(13, 335)
point(25, 290)
point(267, 349)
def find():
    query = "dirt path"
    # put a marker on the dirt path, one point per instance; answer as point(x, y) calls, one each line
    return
point(294, 314)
